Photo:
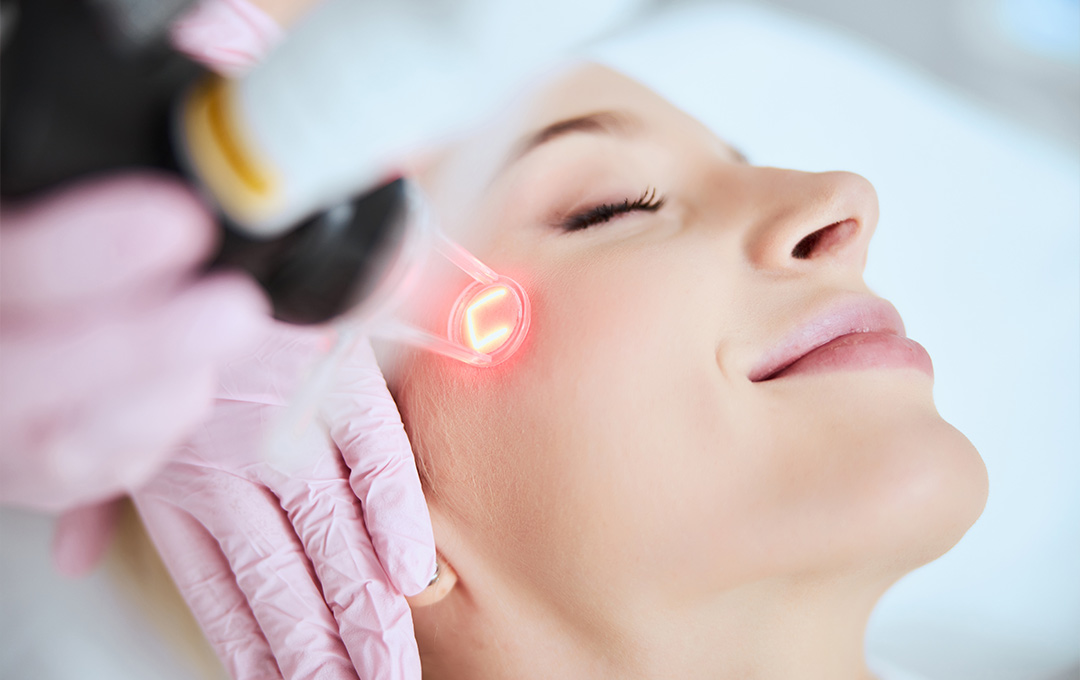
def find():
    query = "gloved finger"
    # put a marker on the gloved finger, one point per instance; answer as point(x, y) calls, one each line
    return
point(206, 581)
point(201, 326)
point(82, 535)
point(272, 570)
point(364, 423)
point(276, 366)
point(229, 36)
point(105, 447)
point(99, 237)
point(373, 616)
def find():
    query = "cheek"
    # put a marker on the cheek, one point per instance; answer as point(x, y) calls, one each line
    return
point(574, 458)
point(626, 394)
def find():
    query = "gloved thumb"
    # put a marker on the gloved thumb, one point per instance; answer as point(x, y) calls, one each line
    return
point(82, 535)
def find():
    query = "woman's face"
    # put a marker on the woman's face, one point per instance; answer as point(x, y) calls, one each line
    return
point(630, 449)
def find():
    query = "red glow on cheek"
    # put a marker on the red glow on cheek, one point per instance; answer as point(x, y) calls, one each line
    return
point(488, 322)
point(491, 319)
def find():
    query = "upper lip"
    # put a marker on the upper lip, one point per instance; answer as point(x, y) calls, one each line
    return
point(864, 315)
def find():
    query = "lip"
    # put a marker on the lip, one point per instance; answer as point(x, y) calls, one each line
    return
point(853, 335)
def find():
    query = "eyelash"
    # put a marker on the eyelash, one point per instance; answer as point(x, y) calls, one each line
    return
point(647, 202)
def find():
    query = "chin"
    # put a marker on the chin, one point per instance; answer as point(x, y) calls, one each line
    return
point(932, 488)
point(914, 483)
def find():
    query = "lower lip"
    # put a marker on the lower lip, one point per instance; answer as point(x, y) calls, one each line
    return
point(861, 351)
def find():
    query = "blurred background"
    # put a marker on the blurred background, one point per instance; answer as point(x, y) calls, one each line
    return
point(1018, 57)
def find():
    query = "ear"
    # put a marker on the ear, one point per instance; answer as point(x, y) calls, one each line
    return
point(445, 580)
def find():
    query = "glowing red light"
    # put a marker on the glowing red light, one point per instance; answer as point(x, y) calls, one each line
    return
point(484, 343)
point(491, 318)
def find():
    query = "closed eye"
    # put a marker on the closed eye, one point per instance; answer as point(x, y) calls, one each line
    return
point(647, 202)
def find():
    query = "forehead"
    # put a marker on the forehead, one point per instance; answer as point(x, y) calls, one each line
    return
point(592, 87)
point(468, 169)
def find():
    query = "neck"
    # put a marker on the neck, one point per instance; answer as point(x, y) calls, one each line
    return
point(764, 631)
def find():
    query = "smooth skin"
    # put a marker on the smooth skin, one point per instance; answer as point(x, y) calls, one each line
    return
point(620, 500)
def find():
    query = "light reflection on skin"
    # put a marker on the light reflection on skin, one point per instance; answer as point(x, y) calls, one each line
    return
point(487, 341)
point(619, 499)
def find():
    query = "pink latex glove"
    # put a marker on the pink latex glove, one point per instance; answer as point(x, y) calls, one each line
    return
point(231, 36)
point(298, 573)
point(108, 341)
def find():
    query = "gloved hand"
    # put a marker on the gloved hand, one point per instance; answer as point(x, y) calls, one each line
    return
point(228, 36)
point(108, 344)
point(232, 36)
point(292, 570)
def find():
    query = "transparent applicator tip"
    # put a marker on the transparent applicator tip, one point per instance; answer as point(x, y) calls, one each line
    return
point(486, 325)
point(415, 337)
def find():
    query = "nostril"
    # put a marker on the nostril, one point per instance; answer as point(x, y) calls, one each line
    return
point(803, 248)
point(824, 240)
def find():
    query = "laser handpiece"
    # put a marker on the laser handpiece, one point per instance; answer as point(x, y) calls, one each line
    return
point(361, 261)
point(109, 108)
point(485, 325)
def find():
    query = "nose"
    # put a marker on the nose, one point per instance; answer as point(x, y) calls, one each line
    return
point(803, 220)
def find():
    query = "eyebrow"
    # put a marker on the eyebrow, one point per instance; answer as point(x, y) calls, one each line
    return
point(601, 122)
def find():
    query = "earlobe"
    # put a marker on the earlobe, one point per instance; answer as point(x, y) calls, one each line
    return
point(440, 586)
